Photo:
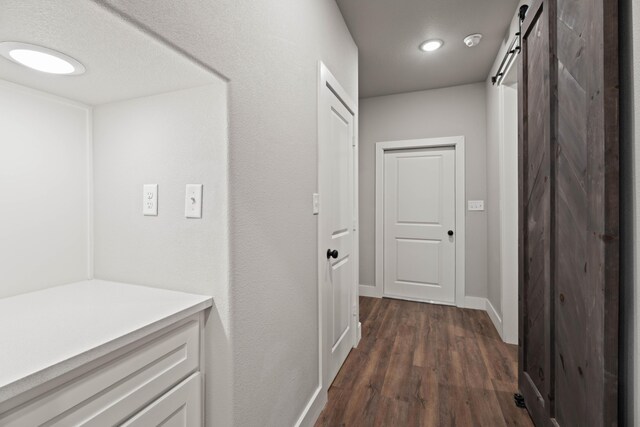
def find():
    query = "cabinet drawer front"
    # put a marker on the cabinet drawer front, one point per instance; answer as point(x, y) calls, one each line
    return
point(118, 388)
point(180, 407)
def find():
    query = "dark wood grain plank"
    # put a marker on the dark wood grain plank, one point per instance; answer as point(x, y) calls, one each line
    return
point(537, 80)
point(425, 365)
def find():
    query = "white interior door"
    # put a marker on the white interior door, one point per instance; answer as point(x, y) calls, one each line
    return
point(419, 224)
point(336, 222)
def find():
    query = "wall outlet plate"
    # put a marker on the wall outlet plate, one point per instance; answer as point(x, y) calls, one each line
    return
point(193, 201)
point(476, 205)
point(150, 199)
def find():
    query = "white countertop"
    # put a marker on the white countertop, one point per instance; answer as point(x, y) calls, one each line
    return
point(47, 333)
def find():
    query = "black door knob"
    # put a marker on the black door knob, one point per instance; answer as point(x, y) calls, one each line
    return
point(332, 253)
point(450, 232)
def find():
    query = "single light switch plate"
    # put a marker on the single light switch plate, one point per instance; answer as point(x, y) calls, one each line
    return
point(193, 201)
point(476, 205)
point(150, 199)
point(316, 203)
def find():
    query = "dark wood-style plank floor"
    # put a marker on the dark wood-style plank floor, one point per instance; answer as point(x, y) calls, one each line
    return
point(425, 365)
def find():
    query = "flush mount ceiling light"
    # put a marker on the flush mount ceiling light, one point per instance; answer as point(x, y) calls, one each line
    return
point(473, 40)
point(431, 45)
point(41, 58)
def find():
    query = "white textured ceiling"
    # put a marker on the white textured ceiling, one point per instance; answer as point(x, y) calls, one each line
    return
point(122, 62)
point(388, 33)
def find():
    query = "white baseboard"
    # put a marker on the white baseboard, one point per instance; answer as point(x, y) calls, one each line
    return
point(358, 334)
point(313, 409)
point(369, 291)
point(479, 303)
point(495, 317)
point(475, 303)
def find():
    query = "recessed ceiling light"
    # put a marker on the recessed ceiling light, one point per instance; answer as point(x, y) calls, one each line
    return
point(472, 40)
point(431, 45)
point(41, 58)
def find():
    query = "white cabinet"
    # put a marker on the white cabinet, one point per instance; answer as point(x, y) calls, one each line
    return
point(180, 407)
point(147, 376)
point(152, 380)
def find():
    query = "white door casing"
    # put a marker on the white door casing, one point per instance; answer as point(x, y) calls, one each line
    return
point(419, 214)
point(337, 226)
point(508, 186)
point(455, 142)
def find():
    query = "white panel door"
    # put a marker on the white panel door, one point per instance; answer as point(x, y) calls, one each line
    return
point(336, 221)
point(419, 224)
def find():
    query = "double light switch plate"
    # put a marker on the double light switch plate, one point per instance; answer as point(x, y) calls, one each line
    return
point(476, 205)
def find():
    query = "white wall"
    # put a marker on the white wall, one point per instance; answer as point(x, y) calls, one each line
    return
point(508, 224)
point(451, 111)
point(269, 51)
point(494, 122)
point(170, 139)
point(44, 238)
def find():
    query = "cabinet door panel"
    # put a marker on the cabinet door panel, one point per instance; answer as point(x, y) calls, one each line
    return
point(180, 407)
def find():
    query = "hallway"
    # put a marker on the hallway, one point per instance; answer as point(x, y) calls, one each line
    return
point(425, 365)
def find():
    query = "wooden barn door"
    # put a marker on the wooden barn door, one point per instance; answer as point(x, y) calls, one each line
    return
point(569, 245)
point(536, 200)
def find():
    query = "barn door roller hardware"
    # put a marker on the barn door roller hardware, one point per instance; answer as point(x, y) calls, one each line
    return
point(514, 47)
